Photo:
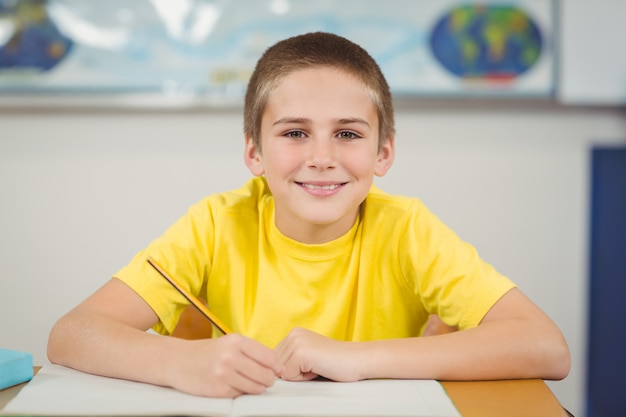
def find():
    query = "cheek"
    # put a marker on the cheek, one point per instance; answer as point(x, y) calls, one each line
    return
point(362, 162)
point(280, 162)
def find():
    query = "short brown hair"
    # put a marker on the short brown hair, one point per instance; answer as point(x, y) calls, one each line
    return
point(314, 50)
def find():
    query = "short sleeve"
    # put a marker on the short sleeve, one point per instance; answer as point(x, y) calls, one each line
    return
point(184, 251)
point(447, 273)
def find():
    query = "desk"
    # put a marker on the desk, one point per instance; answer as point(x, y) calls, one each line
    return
point(515, 398)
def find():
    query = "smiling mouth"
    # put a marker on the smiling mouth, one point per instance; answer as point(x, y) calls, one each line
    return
point(315, 187)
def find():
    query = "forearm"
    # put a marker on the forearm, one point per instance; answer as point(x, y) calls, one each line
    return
point(95, 343)
point(509, 349)
point(224, 367)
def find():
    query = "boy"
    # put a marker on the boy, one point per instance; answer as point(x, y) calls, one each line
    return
point(316, 271)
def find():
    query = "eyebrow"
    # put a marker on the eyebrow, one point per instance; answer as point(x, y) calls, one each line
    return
point(304, 120)
point(289, 120)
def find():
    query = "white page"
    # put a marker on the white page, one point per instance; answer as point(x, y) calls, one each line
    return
point(57, 390)
point(424, 398)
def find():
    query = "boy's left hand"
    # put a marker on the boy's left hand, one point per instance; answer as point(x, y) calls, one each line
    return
point(306, 355)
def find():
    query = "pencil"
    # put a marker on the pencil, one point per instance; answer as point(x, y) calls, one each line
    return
point(193, 300)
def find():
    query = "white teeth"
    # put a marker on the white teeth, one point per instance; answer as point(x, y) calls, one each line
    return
point(320, 187)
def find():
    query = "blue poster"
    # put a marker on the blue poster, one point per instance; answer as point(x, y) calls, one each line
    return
point(207, 48)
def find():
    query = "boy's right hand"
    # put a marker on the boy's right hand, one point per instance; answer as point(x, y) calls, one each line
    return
point(228, 366)
point(106, 335)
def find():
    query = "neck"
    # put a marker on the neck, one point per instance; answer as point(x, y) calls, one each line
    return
point(311, 233)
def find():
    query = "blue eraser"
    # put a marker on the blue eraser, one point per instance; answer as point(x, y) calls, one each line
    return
point(15, 367)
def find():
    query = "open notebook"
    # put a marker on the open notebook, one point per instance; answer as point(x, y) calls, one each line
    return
point(57, 390)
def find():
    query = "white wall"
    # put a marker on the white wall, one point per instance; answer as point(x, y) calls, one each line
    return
point(81, 192)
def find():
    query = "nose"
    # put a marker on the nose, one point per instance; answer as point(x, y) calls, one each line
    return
point(322, 154)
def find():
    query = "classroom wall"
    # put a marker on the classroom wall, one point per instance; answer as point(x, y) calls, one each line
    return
point(82, 191)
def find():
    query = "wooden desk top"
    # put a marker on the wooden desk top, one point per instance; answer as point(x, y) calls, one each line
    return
point(515, 398)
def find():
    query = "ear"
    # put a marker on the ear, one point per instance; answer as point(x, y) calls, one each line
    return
point(253, 158)
point(385, 157)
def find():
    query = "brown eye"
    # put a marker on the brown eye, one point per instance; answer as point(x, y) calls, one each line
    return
point(347, 135)
point(295, 134)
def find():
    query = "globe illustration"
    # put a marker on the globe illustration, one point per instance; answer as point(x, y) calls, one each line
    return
point(486, 42)
point(35, 42)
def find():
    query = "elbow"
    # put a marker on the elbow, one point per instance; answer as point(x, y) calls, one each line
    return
point(52, 350)
point(55, 346)
point(562, 364)
point(559, 360)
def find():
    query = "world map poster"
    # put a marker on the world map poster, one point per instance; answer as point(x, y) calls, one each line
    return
point(207, 49)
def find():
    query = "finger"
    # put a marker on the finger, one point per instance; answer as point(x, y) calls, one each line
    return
point(262, 355)
point(296, 368)
point(256, 372)
point(291, 360)
point(244, 385)
point(284, 350)
point(301, 376)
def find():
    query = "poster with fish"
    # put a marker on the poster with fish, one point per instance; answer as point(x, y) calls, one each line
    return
point(206, 49)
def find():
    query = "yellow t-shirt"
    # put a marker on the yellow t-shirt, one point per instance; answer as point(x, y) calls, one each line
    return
point(395, 266)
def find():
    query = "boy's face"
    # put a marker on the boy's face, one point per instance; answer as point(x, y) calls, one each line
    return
point(319, 140)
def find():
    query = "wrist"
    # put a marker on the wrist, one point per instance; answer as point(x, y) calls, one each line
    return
point(170, 366)
point(369, 358)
